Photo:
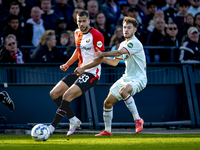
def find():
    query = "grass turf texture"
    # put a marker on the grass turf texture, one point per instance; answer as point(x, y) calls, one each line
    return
point(118, 141)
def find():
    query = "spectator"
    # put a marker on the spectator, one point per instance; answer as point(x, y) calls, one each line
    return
point(118, 34)
point(63, 9)
point(76, 3)
point(64, 38)
point(170, 39)
point(11, 54)
point(124, 10)
point(142, 17)
point(46, 50)
point(180, 18)
point(197, 21)
point(195, 7)
point(71, 37)
point(151, 8)
point(3, 14)
point(71, 45)
point(61, 25)
point(158, 14)
point(48, 14)
point(80, 4)
point(189, 23)
point(35, 27)
point(92, 8)
point(169, 10)
point(13, 27)
point(102, 26)
point(190, 49)
point(25, 9)
point(142, 4)
point(73, 21)
point(111, 10)
point(14, 9)
point(155, 37)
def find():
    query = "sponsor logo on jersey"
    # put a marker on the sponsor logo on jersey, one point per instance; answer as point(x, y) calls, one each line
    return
point(83, 47)
point(99, 44)
point(130, 45)
point(87, 40)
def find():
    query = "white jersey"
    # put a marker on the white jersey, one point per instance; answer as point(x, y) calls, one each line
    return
point(86, 45)
point(135, 61)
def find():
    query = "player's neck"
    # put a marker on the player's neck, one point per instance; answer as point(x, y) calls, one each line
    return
point(128, 39)
point(86, 31)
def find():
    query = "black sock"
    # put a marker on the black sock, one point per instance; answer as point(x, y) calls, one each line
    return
point(63, 110)
point(1, 97)
point(58, 101)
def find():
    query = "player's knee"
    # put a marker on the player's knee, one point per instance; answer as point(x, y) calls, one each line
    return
point(53, 94)
point(123, 93)
point(107, 105)
point(68, 96)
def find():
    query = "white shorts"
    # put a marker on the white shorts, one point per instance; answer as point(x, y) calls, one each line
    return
point(136, 85)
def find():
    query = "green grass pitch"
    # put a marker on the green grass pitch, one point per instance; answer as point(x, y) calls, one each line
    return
point(90, 142)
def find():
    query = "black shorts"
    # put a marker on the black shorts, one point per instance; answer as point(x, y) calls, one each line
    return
point(85, 81)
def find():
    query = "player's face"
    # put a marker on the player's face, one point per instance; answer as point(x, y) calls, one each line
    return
point(128, 30)
point(83, 23)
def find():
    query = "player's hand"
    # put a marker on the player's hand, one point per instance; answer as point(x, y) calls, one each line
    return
point(97, 54)
point(79, 70)
point(64, 67)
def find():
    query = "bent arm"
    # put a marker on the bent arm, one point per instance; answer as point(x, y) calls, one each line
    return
point(72, 59)
point(93, 63)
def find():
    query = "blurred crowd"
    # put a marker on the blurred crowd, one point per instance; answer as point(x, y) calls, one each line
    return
point(47, 25)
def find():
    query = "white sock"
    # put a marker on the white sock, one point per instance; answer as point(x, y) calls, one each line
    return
point(73, 119)
point(51, 128)
point(130, 103)
point(107, 117)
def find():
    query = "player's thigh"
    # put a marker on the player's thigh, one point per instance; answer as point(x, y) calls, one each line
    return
point(59, 89)
point(110, 101)
point(125, 90)
point(73, 92)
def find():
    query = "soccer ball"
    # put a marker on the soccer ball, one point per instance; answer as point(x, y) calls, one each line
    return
point(40, 132)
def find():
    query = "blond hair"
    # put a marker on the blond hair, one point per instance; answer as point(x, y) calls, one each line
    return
point(46, 36)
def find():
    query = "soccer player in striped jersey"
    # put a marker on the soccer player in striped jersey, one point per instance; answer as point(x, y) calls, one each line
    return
point(88, 40)
point(133, 80)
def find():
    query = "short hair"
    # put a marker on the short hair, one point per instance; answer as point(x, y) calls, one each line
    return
point(46, 36)
point(44, 0)
point(92, 1)
point(9, 37)
point(171, 23)
point(14, 3)
point(131, 20)
point(83, 13)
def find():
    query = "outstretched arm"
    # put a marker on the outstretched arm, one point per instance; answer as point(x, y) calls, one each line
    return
point(110, 61)
point(111, 53)
point(95, 62)
point(73, 58)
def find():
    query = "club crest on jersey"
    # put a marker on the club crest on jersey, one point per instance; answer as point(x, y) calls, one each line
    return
point(99, 44)
point(130, 45)
point(87, 40)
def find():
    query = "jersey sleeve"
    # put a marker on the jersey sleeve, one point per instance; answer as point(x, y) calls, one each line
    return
point(133, 47)
point(98, 41)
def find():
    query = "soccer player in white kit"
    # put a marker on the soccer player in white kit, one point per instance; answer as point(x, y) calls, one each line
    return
point(133, 80)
